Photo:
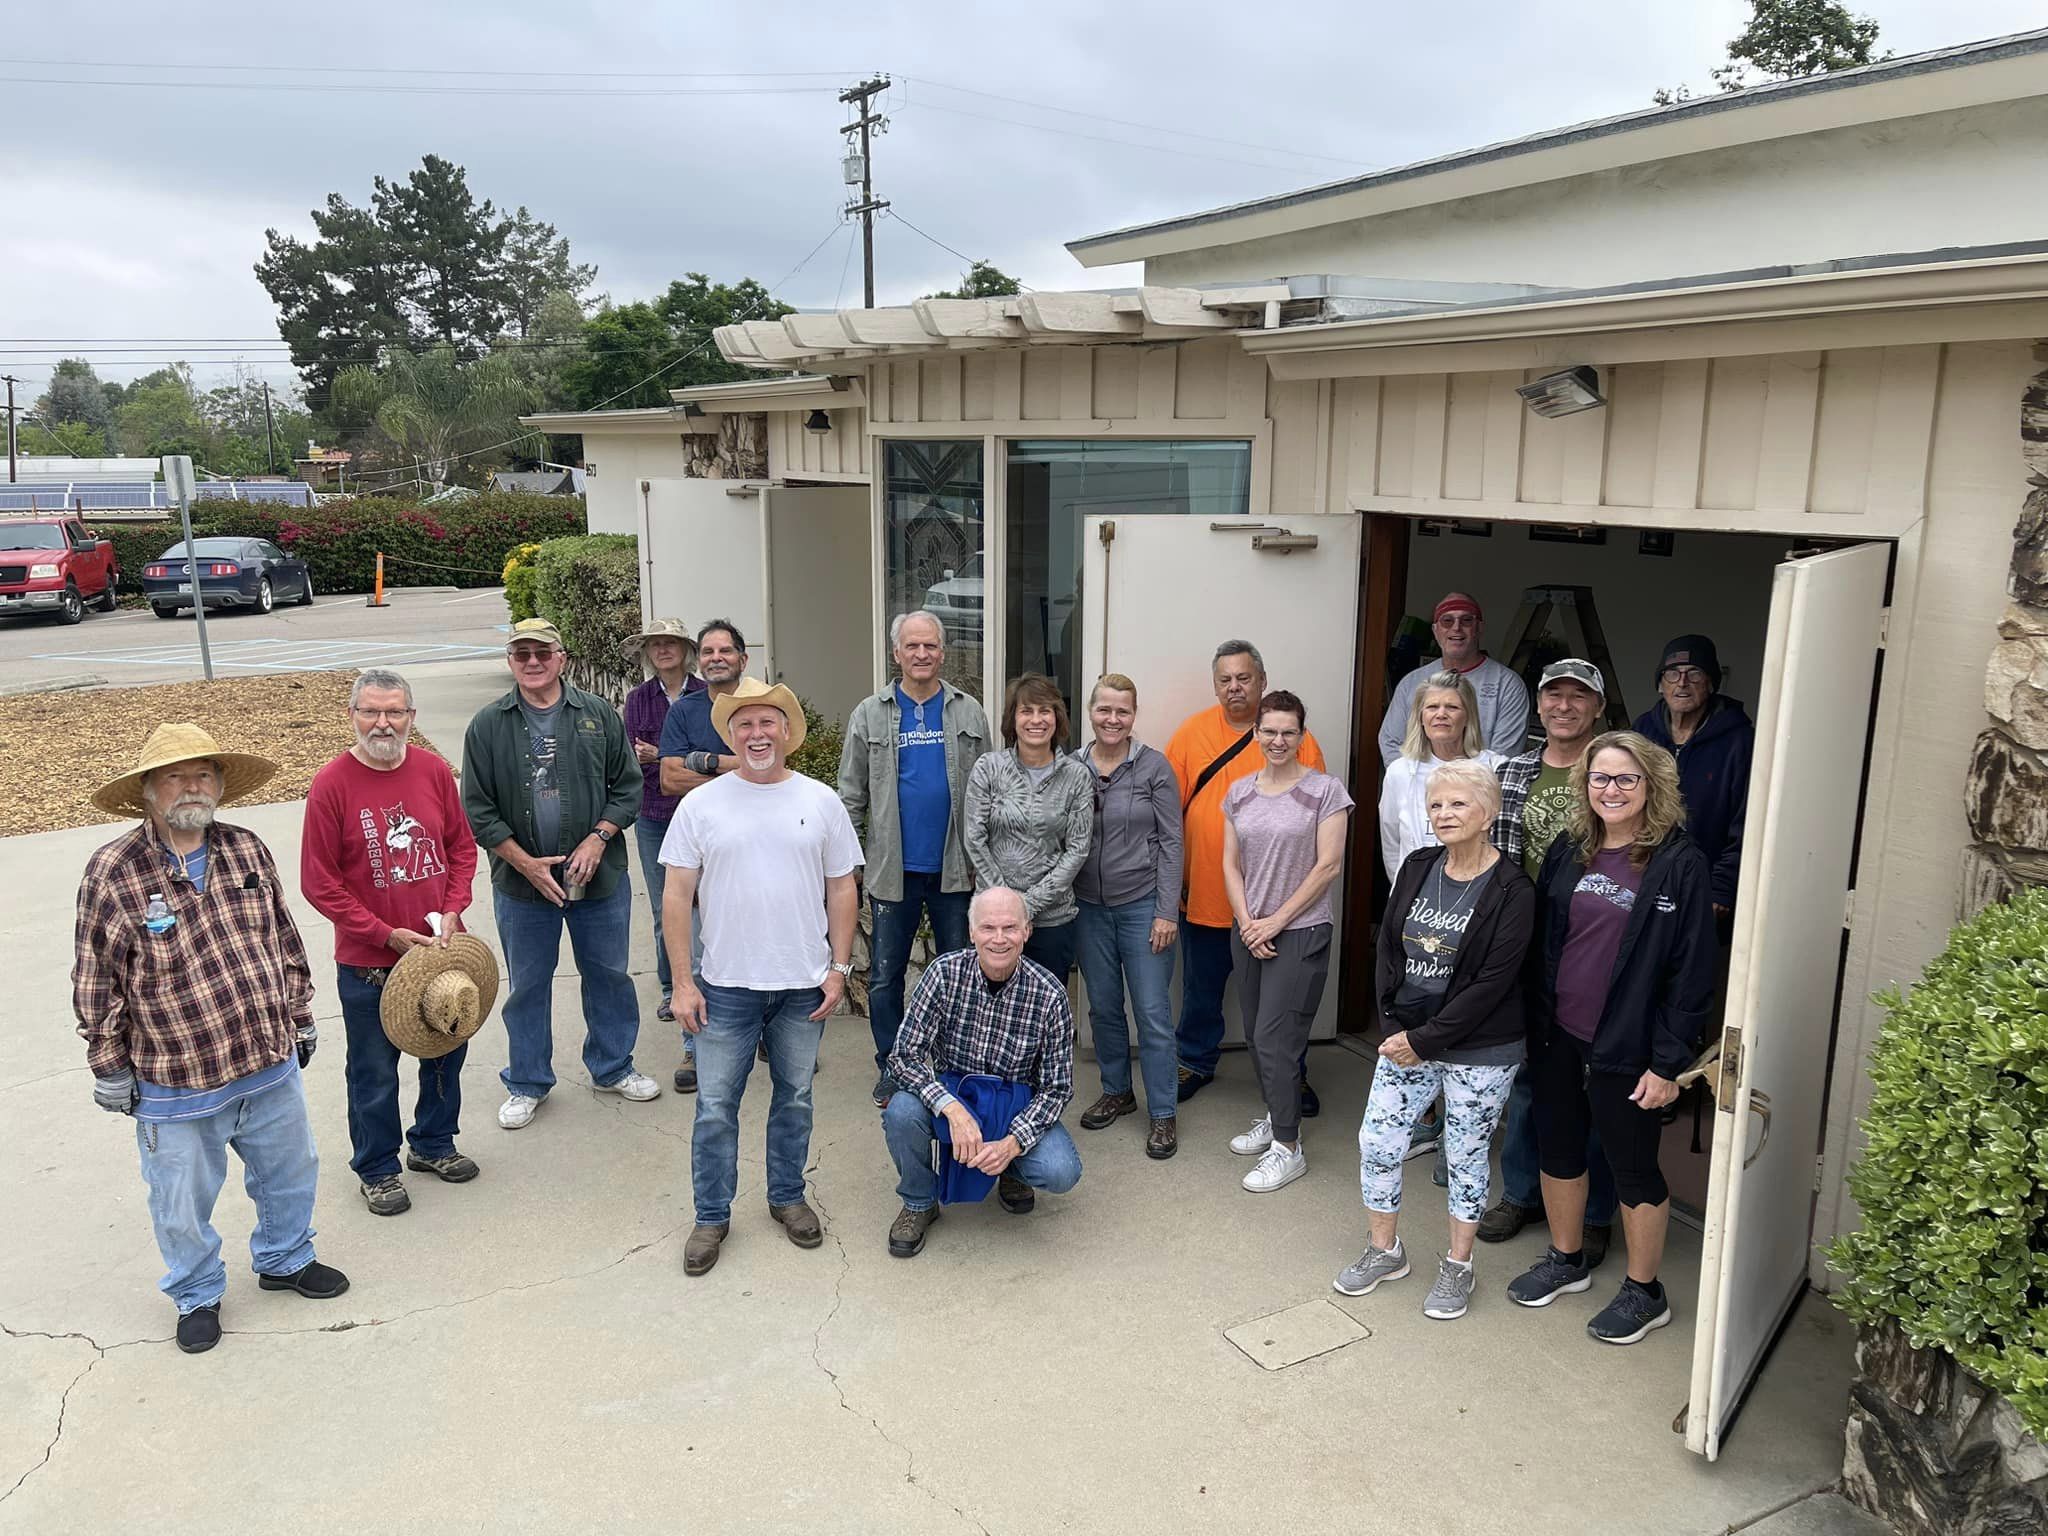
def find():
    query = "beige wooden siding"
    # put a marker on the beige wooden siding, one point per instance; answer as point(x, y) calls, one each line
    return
point(1135, 387)
point(838, 455)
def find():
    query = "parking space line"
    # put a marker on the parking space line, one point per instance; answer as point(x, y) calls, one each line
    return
point(280, 655)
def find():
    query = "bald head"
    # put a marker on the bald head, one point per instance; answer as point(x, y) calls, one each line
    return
point(998, 922)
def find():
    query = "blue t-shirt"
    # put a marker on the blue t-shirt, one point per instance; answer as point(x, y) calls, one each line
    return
point(688, 728)
point(924, 802)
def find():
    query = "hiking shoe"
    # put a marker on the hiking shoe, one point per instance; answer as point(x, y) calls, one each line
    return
point(885, 1090)
point(386, 1196)
point(1017, 1197)
point(1254, 1141)
point(316, 1280)
point(1372, 1266)
point(452, 1169)
point(906, 1232)
point(1549, 1278)
point(1108, 1109)
point(700, 1252)
point(1505, 1220)
point(1595, 1243)
point(686, 1076)
point(1276, 1169)
point(1632, 1316)
point(517, 1111)
point(1451, 1296)
point(199, 1329)
point(1425, 1138)
point(1311, 1106)
point(1163, 1140)
point(800, 1222)
point(666, 1012)
point(1192, 1083)
point(637, 1086)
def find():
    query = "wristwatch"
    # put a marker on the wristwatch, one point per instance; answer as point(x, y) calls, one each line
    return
point(843, 967)
point(605, 834)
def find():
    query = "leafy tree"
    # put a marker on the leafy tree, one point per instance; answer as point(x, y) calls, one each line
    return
point(160, 415)
point(537, 268)
point(62, 439)
point(75, 394)
point(1789, 40)
point(341, 297)
point(634, 354)
point(454, 246)
point(983, 280)
point(438, 411)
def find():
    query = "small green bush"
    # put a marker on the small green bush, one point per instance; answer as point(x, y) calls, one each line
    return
point(589, 589)
point(818, 757)
point(522, 582)
point(1954, 1181)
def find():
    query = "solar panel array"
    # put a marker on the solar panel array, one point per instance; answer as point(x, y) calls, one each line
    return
point(142, 495)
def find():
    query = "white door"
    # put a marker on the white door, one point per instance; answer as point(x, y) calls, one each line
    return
point(704, 555)
point(1162, 592)
point(821, 604)
point(1813, 726)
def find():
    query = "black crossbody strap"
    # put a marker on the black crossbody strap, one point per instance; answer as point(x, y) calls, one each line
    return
point(1210, 772)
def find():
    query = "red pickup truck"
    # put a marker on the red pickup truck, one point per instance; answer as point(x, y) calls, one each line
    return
point(55, 565)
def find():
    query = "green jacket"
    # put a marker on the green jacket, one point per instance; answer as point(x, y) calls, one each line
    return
point(599, 775)
point(867, 787)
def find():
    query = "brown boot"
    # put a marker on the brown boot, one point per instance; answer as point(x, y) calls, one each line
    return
point(906, 1232)
point(1107, 1110)
point(1163, 1140)
point(701, 1251)
point(800, 1222)
point(1017, 1196)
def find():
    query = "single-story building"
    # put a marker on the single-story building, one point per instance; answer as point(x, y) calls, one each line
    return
point(1791, 327)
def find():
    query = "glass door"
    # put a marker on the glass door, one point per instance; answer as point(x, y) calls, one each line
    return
point(932, 548)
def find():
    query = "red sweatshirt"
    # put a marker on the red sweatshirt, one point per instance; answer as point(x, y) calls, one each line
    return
point(380, 850)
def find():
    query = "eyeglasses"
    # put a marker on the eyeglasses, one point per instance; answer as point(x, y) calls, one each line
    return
point(1266, 734)
point(1618, 780)
point(380, 714)
point(1682, 675)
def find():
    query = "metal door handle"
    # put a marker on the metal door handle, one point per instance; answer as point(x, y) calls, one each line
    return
point(1760, 1106)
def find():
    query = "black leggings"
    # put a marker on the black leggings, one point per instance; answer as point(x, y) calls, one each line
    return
point(1569, 1098)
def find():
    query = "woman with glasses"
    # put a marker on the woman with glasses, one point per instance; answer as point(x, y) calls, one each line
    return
point(1283, 847)
point(1622, 980)
point(1713, 739)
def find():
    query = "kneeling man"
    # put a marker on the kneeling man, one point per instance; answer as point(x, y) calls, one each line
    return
point(982, 1010)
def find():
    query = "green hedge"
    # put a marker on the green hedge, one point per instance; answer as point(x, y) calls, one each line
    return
point(589, 588)
point(1954, 1182)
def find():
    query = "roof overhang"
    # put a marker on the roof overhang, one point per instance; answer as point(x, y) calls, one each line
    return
point(662, 419)
point(1974, 74)
point(798, 392)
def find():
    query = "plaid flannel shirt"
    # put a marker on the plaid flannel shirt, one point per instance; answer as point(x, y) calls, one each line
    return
point(220, 995)
point(1516, 775)
point(1022, 1034)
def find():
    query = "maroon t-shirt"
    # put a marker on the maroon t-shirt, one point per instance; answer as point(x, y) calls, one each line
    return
point(1601, 904)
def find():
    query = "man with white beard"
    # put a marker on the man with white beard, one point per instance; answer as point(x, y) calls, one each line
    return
point(196, 1005)
point(387, 856)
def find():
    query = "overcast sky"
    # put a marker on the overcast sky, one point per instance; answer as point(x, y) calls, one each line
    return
point(134, 213)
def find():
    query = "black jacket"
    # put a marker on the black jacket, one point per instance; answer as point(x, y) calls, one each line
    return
point(1484, 1004)
point(1713, 775)
point(1662, 987)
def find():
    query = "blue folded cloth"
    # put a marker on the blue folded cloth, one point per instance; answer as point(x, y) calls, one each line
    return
point(994, 1102)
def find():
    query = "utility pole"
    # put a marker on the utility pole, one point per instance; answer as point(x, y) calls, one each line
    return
point(269, 432)
point(859, 166)
point(11, 382)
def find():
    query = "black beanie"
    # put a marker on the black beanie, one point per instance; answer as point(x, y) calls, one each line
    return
point(1695, 651)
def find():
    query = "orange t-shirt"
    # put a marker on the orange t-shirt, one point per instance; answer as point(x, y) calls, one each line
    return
point(1201, 739)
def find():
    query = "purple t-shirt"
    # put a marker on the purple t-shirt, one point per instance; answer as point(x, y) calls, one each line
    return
point(1601, 904)
point(1276, 840)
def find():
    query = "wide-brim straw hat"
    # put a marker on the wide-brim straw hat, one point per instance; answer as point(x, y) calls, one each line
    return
point(661, 629)
point(753, 691)
point(241, 773)
point(437, 996)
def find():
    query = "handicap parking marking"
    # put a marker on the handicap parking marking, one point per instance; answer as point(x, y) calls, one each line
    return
point(280, 654)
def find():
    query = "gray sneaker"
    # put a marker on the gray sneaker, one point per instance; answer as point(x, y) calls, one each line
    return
point(1373, 1266)
point(1452, 1293)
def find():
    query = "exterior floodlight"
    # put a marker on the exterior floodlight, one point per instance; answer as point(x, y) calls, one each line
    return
point(817, 421)
point(692, 409)
point(1563, 394)
point(853, 168)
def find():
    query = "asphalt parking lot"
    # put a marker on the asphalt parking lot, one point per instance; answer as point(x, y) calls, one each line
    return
point(421, 626)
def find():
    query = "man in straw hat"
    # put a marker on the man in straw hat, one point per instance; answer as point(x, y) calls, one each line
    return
point(195, 1000)
point(549, 783)
point(775, 855)
point(667, 650)
point(386, 855)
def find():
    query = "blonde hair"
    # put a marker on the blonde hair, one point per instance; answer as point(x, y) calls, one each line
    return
point(1475, 776)
point(1415, 743)
point(1663, 805)
point(1115, 682)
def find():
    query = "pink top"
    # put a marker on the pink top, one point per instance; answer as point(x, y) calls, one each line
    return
point(1276, 840)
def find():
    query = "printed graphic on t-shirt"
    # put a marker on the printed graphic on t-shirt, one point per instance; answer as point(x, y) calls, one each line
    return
point(1609, 891)
point(1430, 936)
point(400, 850)
point(1544, 815)
point(541, 753)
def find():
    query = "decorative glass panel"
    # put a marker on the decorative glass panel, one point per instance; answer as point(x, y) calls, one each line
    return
point(932, 535)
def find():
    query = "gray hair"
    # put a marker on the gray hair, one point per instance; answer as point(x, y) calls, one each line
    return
point(1415, 740)
point(1239, 648)
point(1475, 776)
point(976, 906)
point(378, 677)
point(896, 625)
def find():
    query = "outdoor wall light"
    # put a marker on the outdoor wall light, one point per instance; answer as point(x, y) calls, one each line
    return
point(1563, 394)
point(817, 421)
point(692, 409)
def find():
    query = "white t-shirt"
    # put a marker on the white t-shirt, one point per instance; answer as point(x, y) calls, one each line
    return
point(765, 852)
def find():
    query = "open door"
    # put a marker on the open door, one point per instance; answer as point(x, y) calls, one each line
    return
point(1153, 607)
point(1813, 727)
point(821, 609)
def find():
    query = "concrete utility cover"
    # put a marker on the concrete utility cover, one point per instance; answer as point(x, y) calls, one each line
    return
point(1281, 1339)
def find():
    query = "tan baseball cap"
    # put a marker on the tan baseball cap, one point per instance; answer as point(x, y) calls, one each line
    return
point(534, 629)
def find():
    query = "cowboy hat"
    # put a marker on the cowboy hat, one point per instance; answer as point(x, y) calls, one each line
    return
point(437, 996)
point(660, 629)
point(753, 691)
point(241, 773)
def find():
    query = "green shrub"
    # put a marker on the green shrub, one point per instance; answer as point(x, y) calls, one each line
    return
point(589, 588)
point(522, 582)
point(136, 544)
point(1954, 1181)
point(818, 757)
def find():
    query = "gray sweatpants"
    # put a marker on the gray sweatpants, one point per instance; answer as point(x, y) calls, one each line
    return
point(1281, 996)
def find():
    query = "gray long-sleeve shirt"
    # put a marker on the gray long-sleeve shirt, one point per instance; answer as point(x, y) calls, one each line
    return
point(1032, 838)
point(1134, 846)
point(1503, 707)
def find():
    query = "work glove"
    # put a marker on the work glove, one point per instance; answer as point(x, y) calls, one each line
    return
point(117, 1094)
point(309, 1038)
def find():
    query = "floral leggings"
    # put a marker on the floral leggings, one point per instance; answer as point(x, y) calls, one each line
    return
point(1473, 1100)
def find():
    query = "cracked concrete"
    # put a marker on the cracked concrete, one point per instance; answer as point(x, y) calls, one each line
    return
point(524, 1352)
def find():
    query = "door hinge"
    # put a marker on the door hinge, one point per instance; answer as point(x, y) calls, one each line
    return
point(1849, 909)
point(1884, 627)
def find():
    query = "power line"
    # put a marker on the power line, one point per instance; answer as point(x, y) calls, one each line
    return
point(970, 260)
point(379, 89)
point(380, 69)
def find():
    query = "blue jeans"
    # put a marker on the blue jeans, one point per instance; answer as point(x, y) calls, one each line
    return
point(1053, 947)
point(736, 1019)
point(1054, 1165)
point(185, 1162)
point(600, 933)
point(1520, 1171)
point(648, 833)
point(373, 1086)
point(1116, 952)
point(895, 925)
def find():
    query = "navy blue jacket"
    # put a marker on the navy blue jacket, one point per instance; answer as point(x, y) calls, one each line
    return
point(1713, 775)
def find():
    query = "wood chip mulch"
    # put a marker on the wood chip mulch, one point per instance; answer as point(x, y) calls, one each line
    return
point(57, 748)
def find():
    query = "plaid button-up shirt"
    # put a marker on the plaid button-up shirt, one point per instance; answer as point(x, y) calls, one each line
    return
point(218, 996)
point(1022, 1033)
point(1516, 775)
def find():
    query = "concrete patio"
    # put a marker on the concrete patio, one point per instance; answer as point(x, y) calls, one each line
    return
point(525, 1353)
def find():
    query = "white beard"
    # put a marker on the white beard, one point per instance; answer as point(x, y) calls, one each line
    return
point(385, 749)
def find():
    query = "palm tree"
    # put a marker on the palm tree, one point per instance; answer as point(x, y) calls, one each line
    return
point(435, 408)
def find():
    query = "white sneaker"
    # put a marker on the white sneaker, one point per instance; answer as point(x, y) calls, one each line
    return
point(1255, 1140)
point(1276, 1170)
point(517, 1111)
point(637, 1086)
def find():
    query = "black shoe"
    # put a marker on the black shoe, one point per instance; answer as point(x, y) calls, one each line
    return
point(199, 1329)
point(1548, 1278)
point(906, 1232)
point(1595, 1243)
point(1018, 1197)
point(1192, 1083)
point(452, 1169)
point(1632, 1316)
point(686, 1076)
point(885, 1090)
point(1506, 1220)
point(317, 1280)
point(1311, 1106)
